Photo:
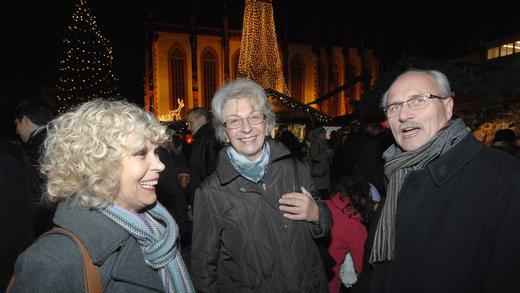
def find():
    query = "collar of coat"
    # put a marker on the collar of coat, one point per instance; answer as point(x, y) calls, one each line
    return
point(452, 161)
point(227, 173)
point(205, 130)
point(102, 237)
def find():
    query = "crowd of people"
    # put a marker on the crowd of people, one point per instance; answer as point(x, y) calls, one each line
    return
point(414, 204)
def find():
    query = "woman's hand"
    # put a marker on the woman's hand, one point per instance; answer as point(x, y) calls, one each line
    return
point(299, 206)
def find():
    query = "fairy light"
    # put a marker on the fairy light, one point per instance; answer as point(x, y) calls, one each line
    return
point(259, 56)
point(85, 69)
point(309, 111)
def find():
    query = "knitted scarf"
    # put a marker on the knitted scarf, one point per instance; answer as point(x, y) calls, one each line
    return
point(156, 232)
point(398, 165)
point(253, 171)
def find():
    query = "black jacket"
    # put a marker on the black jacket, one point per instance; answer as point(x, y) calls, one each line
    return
point(16, 228)
point(456, 226)
point(203, 158)
point(241, 241)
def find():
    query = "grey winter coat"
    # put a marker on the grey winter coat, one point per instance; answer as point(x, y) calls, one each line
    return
point(242, 242)
point(53, 263)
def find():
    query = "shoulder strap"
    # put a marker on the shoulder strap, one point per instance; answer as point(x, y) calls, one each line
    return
point(90, 273)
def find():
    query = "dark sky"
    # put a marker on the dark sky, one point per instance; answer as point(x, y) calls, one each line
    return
point(31, 30)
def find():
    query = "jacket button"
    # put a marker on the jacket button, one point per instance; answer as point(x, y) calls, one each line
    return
point(284, 227)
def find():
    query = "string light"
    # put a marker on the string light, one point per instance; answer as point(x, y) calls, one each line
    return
point(84, 44)
point(309, 111)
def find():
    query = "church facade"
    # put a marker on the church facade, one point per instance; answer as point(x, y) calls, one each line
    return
point(187, 65)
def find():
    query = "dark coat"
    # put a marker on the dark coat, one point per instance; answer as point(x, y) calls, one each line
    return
point(41, 213)
point(456, 226)
point(53, 263)
point(16, 225)
point(169, 191)
point(33, 146)
point(241, 241)
point(203, 157)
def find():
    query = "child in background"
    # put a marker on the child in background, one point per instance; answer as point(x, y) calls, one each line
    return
point(351, 208)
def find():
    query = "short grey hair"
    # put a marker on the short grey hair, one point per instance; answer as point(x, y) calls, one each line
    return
point(240, 89)
point(443, 84)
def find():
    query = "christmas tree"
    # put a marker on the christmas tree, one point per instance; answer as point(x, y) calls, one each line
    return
point(259, 54)
point(85, 69)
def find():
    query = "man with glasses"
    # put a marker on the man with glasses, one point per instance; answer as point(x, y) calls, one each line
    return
point(450, 219)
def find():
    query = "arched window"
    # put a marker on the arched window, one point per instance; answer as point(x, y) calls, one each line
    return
point(297, 78)
point(235, 59)
point(177, 60)
point(209, 76)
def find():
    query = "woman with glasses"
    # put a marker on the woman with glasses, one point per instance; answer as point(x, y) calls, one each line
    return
point(255, 220)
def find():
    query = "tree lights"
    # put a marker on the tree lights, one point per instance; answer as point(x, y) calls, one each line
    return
point(259, 54)
point(85, 69)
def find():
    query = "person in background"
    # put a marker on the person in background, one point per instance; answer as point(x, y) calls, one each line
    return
point(256, 217)
point(204, 149)
point(172, 188)
point(505, 140)
point(290, 141)
point(449, 220)
point(370, 163)
point(351, 207)
point(102, 166)
point(16, 225)
point(319, 160)
point(31, 118)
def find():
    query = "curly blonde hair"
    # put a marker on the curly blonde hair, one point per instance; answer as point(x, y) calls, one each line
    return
point(84, 148)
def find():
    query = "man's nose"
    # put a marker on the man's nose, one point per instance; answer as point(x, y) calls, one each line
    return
point(406, 112)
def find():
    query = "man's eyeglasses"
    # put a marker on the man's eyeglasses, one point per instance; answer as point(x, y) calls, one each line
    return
point(235, 122)
point(416, 102)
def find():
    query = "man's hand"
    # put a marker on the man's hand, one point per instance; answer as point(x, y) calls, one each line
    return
point(299, 206)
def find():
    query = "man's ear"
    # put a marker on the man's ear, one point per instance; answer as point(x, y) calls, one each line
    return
point(26, 120)
point(448, 107)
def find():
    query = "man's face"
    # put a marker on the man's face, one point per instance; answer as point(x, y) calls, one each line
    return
point(413, 128)
point(24, 127)
point(195, 122)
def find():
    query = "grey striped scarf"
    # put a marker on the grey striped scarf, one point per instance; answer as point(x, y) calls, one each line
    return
point(398, 165)
point(156, 232)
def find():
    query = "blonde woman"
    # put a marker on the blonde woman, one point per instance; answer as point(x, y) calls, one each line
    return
point(101, 164)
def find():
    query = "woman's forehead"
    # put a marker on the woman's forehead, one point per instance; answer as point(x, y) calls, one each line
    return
point(241, 105)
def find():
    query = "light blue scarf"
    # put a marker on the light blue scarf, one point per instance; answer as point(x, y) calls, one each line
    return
point(253, 171)
point(156, 232)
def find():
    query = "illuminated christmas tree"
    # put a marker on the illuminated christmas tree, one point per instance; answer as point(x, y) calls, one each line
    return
point(85, 69)
point(259, 54)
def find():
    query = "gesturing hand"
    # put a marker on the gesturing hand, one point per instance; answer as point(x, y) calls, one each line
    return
point(299, 206)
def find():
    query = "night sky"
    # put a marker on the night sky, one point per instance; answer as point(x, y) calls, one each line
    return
point(31, 30)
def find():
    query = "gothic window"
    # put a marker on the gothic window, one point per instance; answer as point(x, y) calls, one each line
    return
point(297, 78)
point(177, 59)
point(209, 76)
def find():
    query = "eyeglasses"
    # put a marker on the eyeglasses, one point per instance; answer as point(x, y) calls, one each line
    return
point(416, 102)
point(235, 122)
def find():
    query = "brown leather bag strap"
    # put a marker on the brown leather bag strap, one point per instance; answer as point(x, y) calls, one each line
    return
point(90, 273)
